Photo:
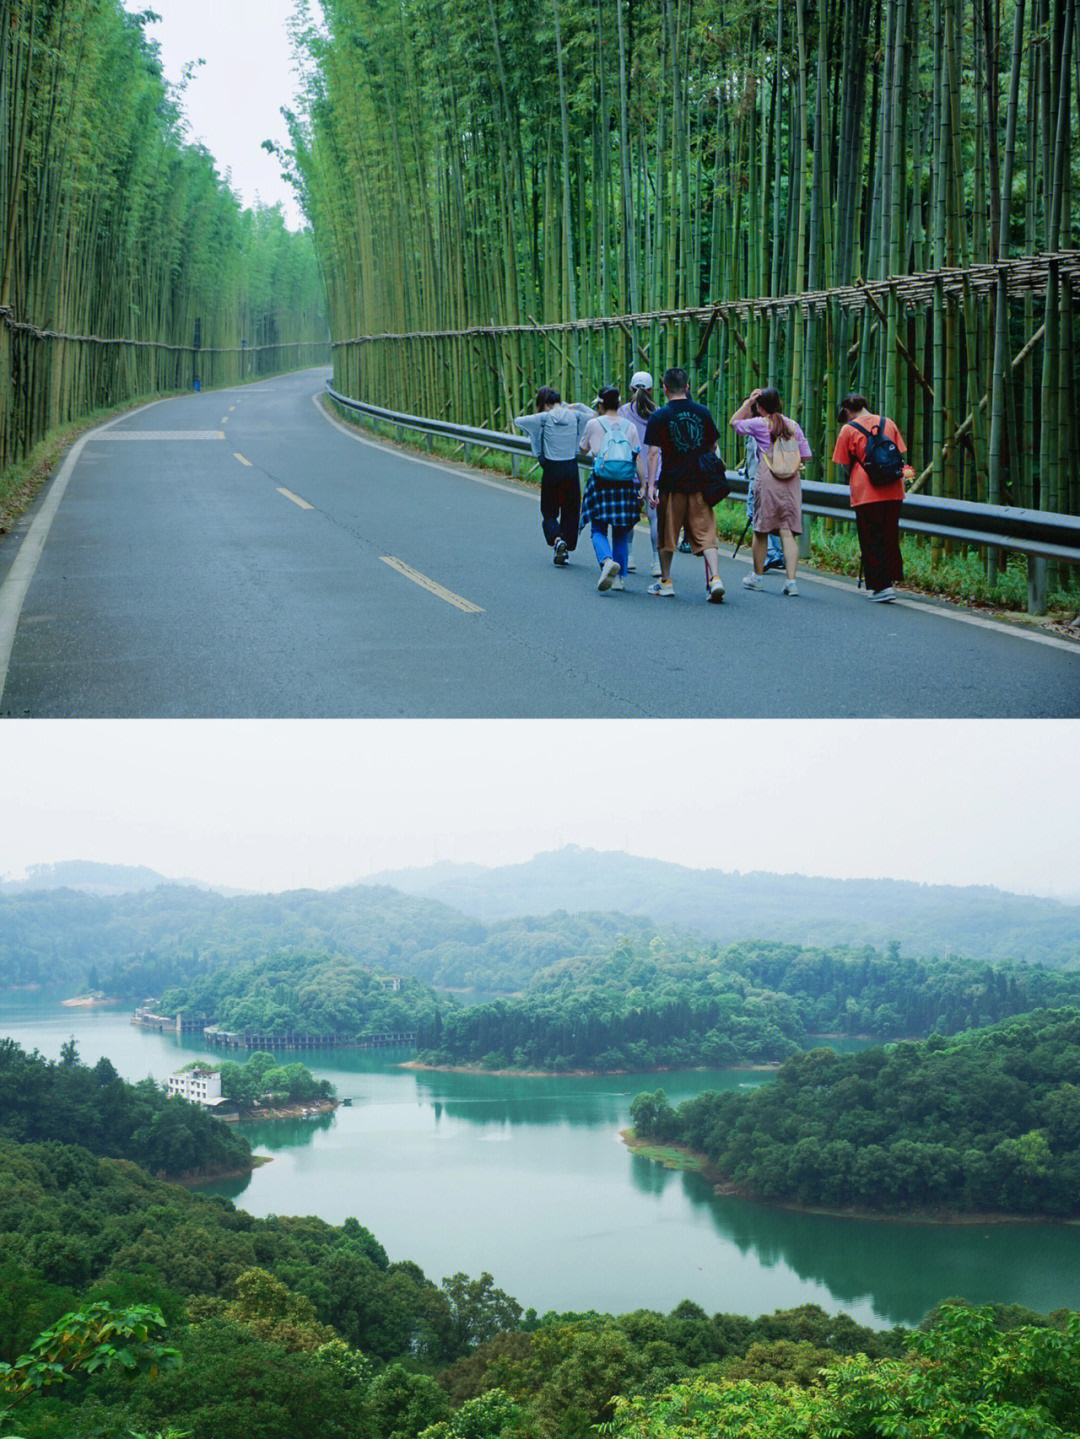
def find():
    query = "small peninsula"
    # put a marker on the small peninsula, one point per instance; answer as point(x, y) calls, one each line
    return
point(983, 1126)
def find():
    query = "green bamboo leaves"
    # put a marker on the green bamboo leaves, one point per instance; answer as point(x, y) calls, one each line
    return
point(113, 226)
point(512, 162)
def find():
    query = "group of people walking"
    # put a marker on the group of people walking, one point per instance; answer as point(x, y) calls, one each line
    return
point(663, 459)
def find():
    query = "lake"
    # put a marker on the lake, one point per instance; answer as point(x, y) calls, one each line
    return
point(527, 1179)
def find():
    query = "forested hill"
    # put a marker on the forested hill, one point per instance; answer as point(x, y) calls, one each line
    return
point(142, 943)
point(927, 919)
point(92, 877)
point(986, 1122)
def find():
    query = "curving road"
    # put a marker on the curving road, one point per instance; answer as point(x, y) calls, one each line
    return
point(240, 553)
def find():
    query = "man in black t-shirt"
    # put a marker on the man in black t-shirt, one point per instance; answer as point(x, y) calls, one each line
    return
point(682, 431)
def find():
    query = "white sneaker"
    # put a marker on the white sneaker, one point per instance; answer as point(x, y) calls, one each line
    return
point(617, 584)
point(714, 591)
point(753, 581)
point(631, 564)
point(791, 588)
point(656, 570)
point(885, 595)
point(609, 572)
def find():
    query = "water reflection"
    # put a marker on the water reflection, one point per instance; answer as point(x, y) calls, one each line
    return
point(525, 1178)
point(901, 1269)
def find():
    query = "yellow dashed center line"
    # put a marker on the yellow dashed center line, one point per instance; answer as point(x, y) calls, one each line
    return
point(295, 498)
point(430, 585)
point(243, 461)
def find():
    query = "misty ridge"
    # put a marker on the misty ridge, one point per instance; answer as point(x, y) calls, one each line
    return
point(472, 927)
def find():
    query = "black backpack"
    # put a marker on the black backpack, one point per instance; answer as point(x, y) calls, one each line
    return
point(883, 462)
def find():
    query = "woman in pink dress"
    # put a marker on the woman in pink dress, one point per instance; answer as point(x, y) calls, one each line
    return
point(782, 447)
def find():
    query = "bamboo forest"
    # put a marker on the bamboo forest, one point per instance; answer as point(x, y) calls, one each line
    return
point(128, 266)
point(823, 197)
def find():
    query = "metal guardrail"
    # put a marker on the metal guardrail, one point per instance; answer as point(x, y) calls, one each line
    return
point(1039, 534)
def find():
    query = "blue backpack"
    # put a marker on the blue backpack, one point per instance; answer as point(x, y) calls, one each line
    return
point(615, 458)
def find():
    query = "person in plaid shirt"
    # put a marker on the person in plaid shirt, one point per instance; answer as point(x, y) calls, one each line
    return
point(609, 501)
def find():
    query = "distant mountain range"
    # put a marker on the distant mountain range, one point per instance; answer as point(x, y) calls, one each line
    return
point(139, 911)
point(90, 877)
point(801, 909)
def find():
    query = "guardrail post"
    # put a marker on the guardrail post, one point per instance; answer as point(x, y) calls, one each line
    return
point(429, 441)
point(514, 466)
point(806, 537)
point(400, 433)
point(1038, 589)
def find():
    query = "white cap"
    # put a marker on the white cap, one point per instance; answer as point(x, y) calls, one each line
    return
point(641, 380)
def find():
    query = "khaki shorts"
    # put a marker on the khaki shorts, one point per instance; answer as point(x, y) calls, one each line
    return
point(676, 511)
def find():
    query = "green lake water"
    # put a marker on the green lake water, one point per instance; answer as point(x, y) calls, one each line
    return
point(527, 1179)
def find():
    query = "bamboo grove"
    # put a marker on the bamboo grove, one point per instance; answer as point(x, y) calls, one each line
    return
point(113, 227)
point(514, 163)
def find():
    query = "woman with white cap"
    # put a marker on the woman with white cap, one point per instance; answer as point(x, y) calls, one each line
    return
point(637, 410)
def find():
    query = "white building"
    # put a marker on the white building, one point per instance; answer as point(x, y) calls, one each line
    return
point(203, 1086)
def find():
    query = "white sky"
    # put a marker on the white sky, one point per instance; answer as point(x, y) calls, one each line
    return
point(233, 102)
point(281, 804)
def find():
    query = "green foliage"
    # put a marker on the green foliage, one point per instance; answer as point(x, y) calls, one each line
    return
point(963, 1380)
point(987, 1122)
point(491, 1415)
point(261, 1075)
point(71, 1103)
point(478, 1310)
point(518, 163)
point(86, 1341)
point(149, 941)
point(118, 227)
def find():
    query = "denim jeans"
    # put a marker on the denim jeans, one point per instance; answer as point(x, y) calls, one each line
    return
point(619, 547)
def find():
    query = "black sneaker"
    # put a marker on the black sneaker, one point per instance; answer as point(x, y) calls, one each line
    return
point(562, 554)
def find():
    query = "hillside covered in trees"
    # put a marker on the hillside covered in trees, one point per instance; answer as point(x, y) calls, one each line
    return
point(986, 1122)
point(926, 919)
point(134, 944)
point(305, 994)
point(496, 932)
point(672, 1007)
point(282, 1324)
point(67, 1102)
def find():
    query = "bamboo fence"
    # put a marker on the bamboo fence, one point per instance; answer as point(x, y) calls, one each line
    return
point(112, 225)
point(517, 193)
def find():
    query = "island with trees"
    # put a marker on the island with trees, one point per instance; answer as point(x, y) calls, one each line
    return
point(261, 1088)
point(674, 1004)
point(985, 1123)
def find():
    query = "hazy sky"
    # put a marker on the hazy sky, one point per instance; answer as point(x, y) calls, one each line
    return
point(273, 805)
point(234, 101)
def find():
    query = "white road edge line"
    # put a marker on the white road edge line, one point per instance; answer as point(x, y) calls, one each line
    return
point(295, 498)
point(431, 585)
point(17, 581)
point(460, 471)
point(811, 576)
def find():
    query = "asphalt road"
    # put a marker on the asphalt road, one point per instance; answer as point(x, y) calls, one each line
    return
point(238, 553)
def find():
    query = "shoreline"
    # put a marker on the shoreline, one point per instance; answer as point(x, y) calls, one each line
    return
point(88, 1001)
point(699, 1164)
point(415, 1064)
point(302, 1109)
point(190, 1180)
